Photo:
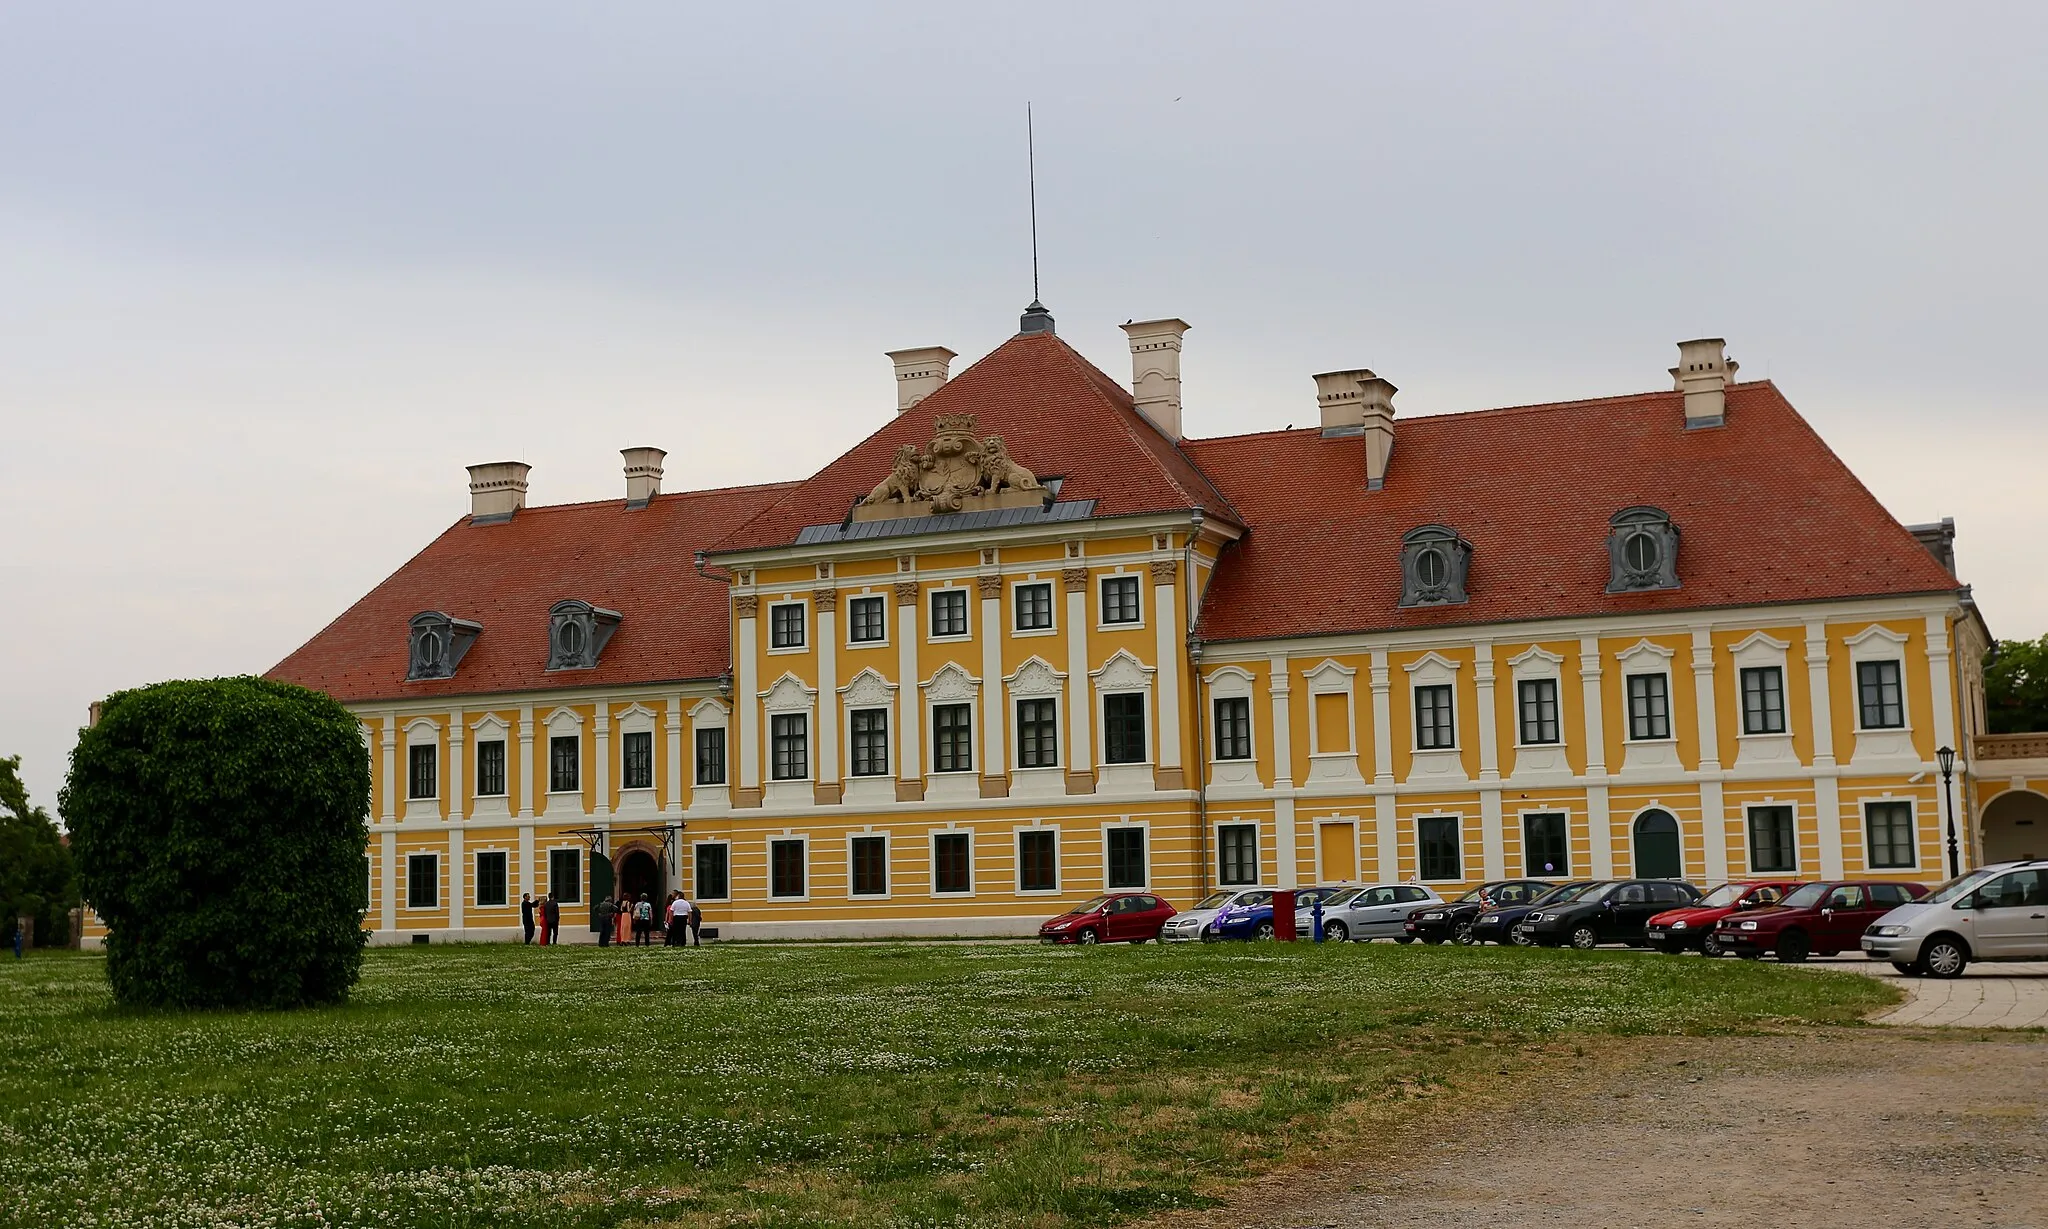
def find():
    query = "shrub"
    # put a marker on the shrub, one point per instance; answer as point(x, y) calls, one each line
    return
point(218, 829)
point(36, 875)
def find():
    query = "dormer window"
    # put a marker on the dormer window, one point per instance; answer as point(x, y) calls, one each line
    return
point(1434, 560)
point(577, 633)
point(1642, 551)
point(438, 642)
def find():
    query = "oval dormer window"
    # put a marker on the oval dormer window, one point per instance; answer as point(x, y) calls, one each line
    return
point(572, 641)
point(1642, 550)
point(435, 644)
point(1431, 567)
point(1434, 561)
point(431, 646)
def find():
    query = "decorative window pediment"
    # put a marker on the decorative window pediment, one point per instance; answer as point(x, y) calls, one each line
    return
point(1122, 672)
point(1434, 561)
point(1645, 654)
point(868, 690)
point(1642, 551)
point(951, 685)
point(789, 694)
point(577, 633)
point(438, 642)
point(1036, 678)
point(1536, 662)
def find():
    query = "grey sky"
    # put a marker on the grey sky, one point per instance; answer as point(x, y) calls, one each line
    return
point(271, 275)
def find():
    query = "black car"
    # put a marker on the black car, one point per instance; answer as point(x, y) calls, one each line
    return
point(1453, 919)
point(1614, 912)
point(1497, 925)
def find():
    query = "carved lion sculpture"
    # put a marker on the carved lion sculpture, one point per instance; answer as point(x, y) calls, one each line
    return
point(999, 471)
point(905, 474)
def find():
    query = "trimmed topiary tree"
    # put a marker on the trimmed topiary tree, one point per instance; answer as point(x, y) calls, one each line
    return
point(218, 828)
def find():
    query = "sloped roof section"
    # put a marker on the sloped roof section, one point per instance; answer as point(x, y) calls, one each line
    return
point(676, 624)
point(1058, 414)
point(1766, 513)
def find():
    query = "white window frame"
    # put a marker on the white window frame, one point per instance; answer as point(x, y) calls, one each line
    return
point(1111, 825)
point(1102, 579)
point(888, 865)
point(1913, 808)
point(1760, 651)
point(1233, 683)
point(422, 732)
point(1647, 657)
point(547, 869)
point(695, 887)
point(1684, 872)
point(1878, 643)
point(868, 595)
point(803, 621)
point(931, 852)
point(768, 867)
point(1258, 850)
point(411, 856)
point(639, 719)
point(1052, 600)
point(489, 728)
point(790, 696)
point(1749, 853)
point(1433, 669)
point(1522, 830)
point(1059, 876)
point(476, 878)
point(1415, 829)
point(930, 597)
point(564, 722)
point(1537, 664)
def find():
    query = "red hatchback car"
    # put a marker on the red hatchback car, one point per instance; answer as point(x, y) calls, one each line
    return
point(1120, 917)
point(1814, 919)
point(1675, 930)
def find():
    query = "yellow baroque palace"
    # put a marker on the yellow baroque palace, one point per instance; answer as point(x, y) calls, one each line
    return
point(1026, 643)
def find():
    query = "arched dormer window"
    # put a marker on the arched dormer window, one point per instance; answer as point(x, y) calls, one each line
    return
point(577, 633)
point(437, 642)
point(1434, 561)
point(1642, 551)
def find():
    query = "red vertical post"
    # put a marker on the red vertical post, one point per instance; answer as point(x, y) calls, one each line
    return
point(1283, 916)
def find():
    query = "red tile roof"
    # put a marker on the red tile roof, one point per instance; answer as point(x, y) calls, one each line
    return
point(1058, 414)
point(505, 577)
point(1766, 513)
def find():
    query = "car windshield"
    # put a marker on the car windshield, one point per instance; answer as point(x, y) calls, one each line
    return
point(1476, 894)
point(1726, 894)
point(1959, 886)
point(1246, 899)
point(1338, 898)
point(1565, 892)
point(1806, 897)
point(1214, 900)
point(1090, 906)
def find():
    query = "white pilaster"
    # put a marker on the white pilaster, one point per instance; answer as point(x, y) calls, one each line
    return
point(387, 742)
point(1827, 800)
point(827, 734)
point(746, 702)
point(674, 727)
point(1283, 734)
point(1941, 693)
point(456, 788)
point(909, 719)
point(1166, 644)
point(1287, 851)
point(526, 874)
point(1492, 844)
point(994, 704)
point(1599, 828)
point(1382, 721)
point(601, 807)
point(387, 881)
point(1713, 810)
point(1384, 818)
point(456, 881)
point(528, 786)
point(1080, 700)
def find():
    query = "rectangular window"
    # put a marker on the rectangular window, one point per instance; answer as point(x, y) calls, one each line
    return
point(1436, 842)
point(789, 736)
point(871, 742)
point(1234, 728)
point(1038, 861)
point(1126, 858)
point(637, 750)
point(1435, 728)
point(1038, 737)
point(421, 761)
point(422, 881)
point(1537, 700)
point(951, 854)
point(949, 612)
point(1891, 837)
point(1237, 854)
point(491, 888)
point(1546, 847)
point(565, 759)
point(867, 620)
point(1878, 697)
point(1771, 840)
point(713, 882)
point(952, 738)
point(1649, 706)
point(711, 756)
point(565, 875)
point(1034, 607)
point(1123, 728)
point(1763, 700)
point(786, 868)
point(786, 625)
point(490, 768)
point(1120, 600)
point(869, 873)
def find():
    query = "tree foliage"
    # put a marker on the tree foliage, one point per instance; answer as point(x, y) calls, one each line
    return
point(36, 875)
point(218, 827)
point(2016, 686)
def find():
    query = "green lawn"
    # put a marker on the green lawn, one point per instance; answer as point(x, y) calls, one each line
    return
point(500, 1085)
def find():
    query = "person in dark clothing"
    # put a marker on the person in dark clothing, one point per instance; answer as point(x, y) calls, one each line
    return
point(603, 919)
point(696, 925)
point(553, 913)
point(643, 921)
point(526, 915)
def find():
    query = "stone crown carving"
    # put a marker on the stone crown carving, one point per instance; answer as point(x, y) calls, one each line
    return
point(955, 472)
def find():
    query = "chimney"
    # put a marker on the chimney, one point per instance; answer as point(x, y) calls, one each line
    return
point(497, 489)
point(1155, 371)
point(919, 373)
point(1360, 403)
point(643, 475)
point(1703, 374)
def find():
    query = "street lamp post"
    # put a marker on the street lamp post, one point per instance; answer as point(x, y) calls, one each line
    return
point(1946, 758)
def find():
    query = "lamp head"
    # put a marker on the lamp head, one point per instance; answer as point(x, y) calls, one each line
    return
point(1946, 757)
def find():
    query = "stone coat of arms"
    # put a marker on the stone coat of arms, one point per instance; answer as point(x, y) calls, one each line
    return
point(955, 472)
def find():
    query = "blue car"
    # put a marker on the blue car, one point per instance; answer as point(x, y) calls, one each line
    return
point(1241, 921)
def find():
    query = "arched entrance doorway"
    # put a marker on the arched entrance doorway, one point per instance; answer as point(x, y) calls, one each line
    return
point(2015, 827)
point(1657, 855)
point(639, 874)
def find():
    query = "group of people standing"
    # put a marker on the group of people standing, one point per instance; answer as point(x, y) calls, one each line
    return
point(544, 915)
point(622, 921)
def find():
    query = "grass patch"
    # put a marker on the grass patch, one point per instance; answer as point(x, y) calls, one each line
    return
point(911, 1085)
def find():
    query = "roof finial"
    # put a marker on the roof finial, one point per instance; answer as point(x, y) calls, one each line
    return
point(1035, 319)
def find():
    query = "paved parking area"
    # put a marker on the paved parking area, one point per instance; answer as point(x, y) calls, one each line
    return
point(1985, 996)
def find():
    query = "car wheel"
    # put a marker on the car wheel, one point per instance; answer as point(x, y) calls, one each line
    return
point(1336, 932)
point(1944, 956)
point(1711, 947)
point(1404, 938)
point(1462, 935)
point(1906, 969)
point(1265, 931)
point(1521, 939)
point(1585, 938)
point(1088, 938)
point(1793, 947)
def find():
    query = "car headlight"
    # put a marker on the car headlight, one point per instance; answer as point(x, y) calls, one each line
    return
point(1888, 932)
point(1433, 917)
point(1749, 926)
point(1678, 925)
point(1537, 917)
point(1059, 925)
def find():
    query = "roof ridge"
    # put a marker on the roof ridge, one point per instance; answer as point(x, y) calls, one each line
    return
point(664, 495)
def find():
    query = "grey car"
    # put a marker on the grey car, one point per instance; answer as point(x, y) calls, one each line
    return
point(1373, 912)
point(1993, 913)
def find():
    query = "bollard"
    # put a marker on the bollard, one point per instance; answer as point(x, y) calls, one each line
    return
point(1283, 916)
point(1315, 917)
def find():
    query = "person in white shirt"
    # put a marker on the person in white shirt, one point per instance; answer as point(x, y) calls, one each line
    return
point(679, 911)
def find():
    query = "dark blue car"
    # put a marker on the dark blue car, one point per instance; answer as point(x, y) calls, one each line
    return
point(1498, 925)
point(1241, 922)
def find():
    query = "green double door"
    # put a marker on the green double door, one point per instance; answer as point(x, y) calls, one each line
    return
point(600, 884)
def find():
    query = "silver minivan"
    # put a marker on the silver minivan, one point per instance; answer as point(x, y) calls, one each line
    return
point(1993, 913)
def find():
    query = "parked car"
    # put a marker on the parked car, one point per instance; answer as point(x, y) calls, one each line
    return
point(1376, 912)
point(1241, 920)
point(1454, 920)
point(1993, 913)
point(1692, 926)
point(1498, 925)
point(1614, 912)
point(1119, 917)
point(1813, 919)
point(1187, 927)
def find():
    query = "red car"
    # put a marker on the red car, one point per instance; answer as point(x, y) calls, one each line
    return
point(1120, 917)
point(1675, 930)
point(1814, 919)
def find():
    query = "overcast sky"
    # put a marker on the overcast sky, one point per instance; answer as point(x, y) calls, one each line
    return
point(271, 275)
